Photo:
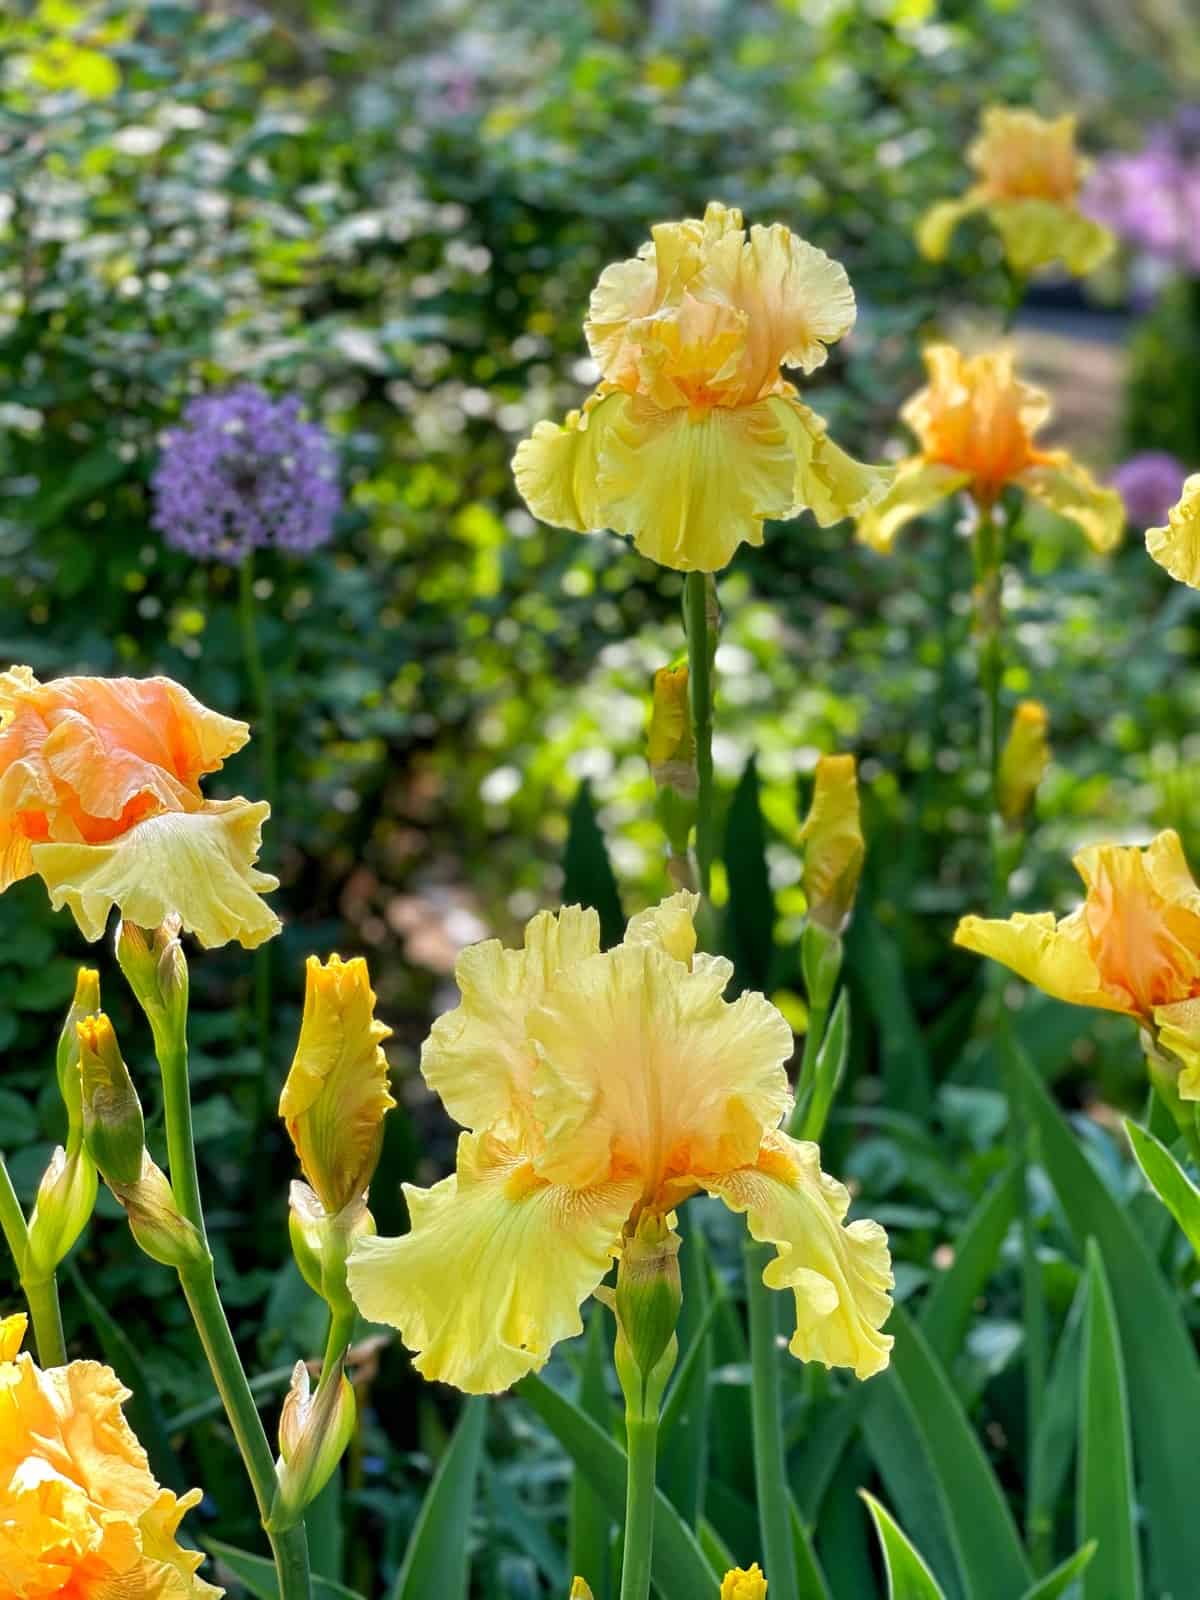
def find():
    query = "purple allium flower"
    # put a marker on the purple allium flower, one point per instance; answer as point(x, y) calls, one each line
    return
point(1150, 484)
point(245, 471)
point(1151, 198)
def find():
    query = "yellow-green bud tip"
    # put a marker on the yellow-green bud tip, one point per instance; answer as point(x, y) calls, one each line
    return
point(743, 1584)
point(113, 1127)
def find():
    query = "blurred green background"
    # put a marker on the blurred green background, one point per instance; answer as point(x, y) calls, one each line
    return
point(397, 212)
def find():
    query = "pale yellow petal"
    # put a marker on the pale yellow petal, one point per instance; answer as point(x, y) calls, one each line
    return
point(557, 469)
point(840, 1275)
point(1178, 1028)
point(644, 1065)
point(937, 226)
point(170, 1572)
point(197, 864)
point(1056, 956)
point(12, 1335)
point(625, 292)
point(478, 1057)
point(1177, 546)
point(336, 1095)
point(669, 926)
point(1068, 488)
point(1168, 870)
point(828, 482)
point(917, 487)
point(1036, 233)
point(495, 1268)
point(688, 488)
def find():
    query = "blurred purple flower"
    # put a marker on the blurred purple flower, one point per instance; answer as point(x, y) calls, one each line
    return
point(1151, 198)
point(242, 472)
point(1150, 484)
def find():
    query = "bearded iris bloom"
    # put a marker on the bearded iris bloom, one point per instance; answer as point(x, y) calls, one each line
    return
point(80, 1511)
point(976, 423)
point(596, 1089)
point(1133, 946)
point(1028, 180)
point(694, 437)
point(100, 797)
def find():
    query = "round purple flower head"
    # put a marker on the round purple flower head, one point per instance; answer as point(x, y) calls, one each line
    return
point(1150, 483)
point(245, 471)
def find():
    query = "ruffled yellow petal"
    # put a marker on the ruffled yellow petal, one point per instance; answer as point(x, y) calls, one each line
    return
point(495, 1268)
point(336, 1094)
point(645, 1068)
point(917, 486)
point(557, 468)
point(12, 1335)
point(1019, 154)
point(833, 842)
point(169, 1572)
point(840, 1275)
point(1056, 956)
point(744, 1584)
point(829, 483)
point(1068, 488)
point(478, 1057)
point(937, 226)
point(1143, 916)
point(1178, 1029)
point(197, 864)
point(669, 926)
point(975, 416)
point(1036, 233)
point(1177, 546)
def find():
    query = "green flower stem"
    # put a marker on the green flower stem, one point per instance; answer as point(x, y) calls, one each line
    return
point(290, 1549)
point(766, 1409)
point(701, 646)
point(264, 730)
point(40, 1296)
point(814, 1038)
point(341, 1327)
point(199, 1283)
point(641, 1444)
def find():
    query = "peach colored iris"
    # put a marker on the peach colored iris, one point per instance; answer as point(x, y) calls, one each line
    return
point(976, 423)
point(1133, 946)
point(81, 1516)
point(100, 797)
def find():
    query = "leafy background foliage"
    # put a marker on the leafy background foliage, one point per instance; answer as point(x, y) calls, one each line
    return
point(398, 213)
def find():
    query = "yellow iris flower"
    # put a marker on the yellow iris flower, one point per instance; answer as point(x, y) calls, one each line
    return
point(1028, 177)
point(1133, 946)
point(693, 437)
point(100, 797)
point(80, 1511)
point(1177, 546)
point(975, 422)
point(595, 1088)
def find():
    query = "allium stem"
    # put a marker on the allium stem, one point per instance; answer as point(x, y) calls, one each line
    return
point(701, 644)
point(42, 1296)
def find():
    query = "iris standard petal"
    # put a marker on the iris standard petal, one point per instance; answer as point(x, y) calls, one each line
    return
point(478, 1057)
point(644, 1067)
point(199, 864)
point(495, 1268)
point(840, 1275)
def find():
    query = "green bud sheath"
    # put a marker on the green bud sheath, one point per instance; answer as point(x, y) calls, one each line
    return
point(113, 1126)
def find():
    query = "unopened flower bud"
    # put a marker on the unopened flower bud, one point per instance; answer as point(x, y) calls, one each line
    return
point(580, 1591)
point(833, 843)
point(86, 1003)
point(113, 1126)
point(821, 960)
point(322, 1244)
point(647, 1299)
point(156, 1222)
point(156, 970)
point(741, 1584)
point(670, 744)
point(1023, 761)
point(314, 1431)
point(65, 1199)
point(336, 1094)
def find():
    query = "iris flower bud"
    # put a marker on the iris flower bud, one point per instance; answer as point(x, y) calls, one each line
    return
point(1023, 761)
point(833, 843)
point(65, 1200)
point(155, 968)
point(156, 1222)
point(113, 1126)
point(647, 1301)
point(314, 1431)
